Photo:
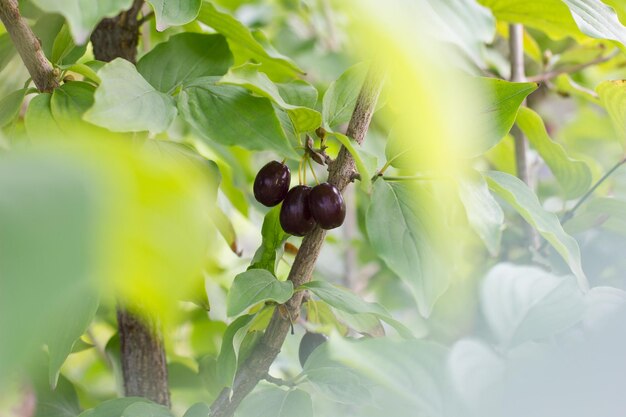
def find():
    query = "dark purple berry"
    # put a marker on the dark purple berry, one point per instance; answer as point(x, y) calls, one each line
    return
point(327, 206)
point(272, 183)
point(295, 216)
point(308, 343)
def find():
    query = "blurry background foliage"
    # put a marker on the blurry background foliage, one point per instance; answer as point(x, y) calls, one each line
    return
point(134, 183)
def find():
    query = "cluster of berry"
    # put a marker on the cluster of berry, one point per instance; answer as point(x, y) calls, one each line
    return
point(303, 207)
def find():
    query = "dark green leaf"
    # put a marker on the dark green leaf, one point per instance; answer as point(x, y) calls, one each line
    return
point(254, 286)
point(271, 249)
point(340, 98)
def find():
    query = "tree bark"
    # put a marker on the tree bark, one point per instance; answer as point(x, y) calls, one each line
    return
point(340, 174)
point(28, 46)
point(142, 353)
point(117, 37)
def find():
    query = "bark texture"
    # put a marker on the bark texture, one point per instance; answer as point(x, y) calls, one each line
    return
point(28, 46)
point(117, 37)
point(340, 174)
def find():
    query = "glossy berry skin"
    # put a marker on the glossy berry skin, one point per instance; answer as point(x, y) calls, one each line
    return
point(272, 183)
point(308, 343)
point(327, 206)
point(295, 216)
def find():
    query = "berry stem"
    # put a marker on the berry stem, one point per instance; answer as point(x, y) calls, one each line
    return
point(313, 171)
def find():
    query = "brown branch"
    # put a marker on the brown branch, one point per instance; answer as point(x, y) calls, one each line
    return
point(341, 169)
point(117, 37)
point(546, 76)
point(28, 46)
point(516, 48)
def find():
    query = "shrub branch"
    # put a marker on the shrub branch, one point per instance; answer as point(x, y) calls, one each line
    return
point(340, 174)
point(28, 46)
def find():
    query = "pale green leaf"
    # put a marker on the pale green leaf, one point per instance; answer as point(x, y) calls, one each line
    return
point(304, 119)
point(525, 202)
point(184, 58)
point(276, 402)
point(273, 239)
point(141, 409)
point(112, 408)
point(174, 12)
point(10, 106)
point(232, 116)
point(228, 358)
point(522, 303)
point(340, 97)
point(254, 286)
point(198, 410)
point(126, 102)
point(483, 212)
point(574, 176)
point(405, 231)
point(344, 300)
point(613, 99)
point(366, 176)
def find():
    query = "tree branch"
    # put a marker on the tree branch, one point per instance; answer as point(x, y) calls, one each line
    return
point(546, 76)
point(516, 48)
point(259, 362)
point(28, 46)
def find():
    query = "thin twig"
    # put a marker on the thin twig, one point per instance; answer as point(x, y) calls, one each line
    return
point(516, 47)
point(28, 46)
point(279, 381)
point(575, 68)
point(145, 18)
point(265, 352)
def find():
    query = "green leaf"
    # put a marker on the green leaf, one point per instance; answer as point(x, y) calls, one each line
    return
point(525, 202)
point(502, 102)
point(276, 402)
point(366, 176)
point(613, 99)
point(298, 92)
point(397, 367)
point(59, 402)
point(273, 239)
point(7, 50)
point(39, 122)
point(237, 33)
point(85, 71)
point(47, 206)
point(184, 58)
point(174, 12)
point(344, 300)
point(254, 286)
point(228, 359)
point(81, 303)
point(248, 76)
point(340, 97)
point(10, 106)
point(63, 45)
point(69, 103)
point(83, 15)
point(125, 102)
point(405, 231)
point(198, 410)
point(141, 409)
point(483, 212)
point(113, 408)
point(596, 19)
point(522, 303)
point(232, 116)
point(573, 176)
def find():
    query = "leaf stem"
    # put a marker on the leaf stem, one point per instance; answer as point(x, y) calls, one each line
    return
point(313, 171)
point(555, 73)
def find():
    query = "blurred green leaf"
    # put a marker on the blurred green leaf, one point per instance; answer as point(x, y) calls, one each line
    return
point(145, 409)
point(483, 212)
point(298, 92)
point(276, 402)
point(573, 176)
point(231, 116)
point(273, 239)
point(198, 410)
point(184, 58)
point(113, 408)
point(174, 12)
point(613, 99)
point(525, 202)
point(10, 106)
point(522, 303)
point(7, 50)
point(340, 97)
point(126, 102)
point(304, 119)
point(62, 401)
point(348, 302)
point(254, 286)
